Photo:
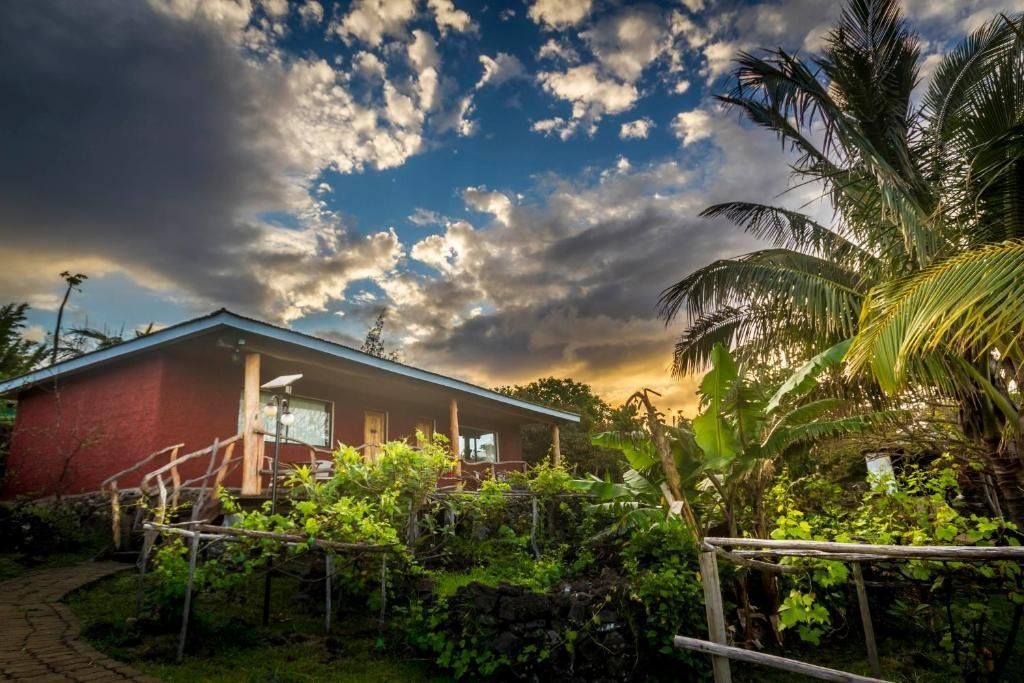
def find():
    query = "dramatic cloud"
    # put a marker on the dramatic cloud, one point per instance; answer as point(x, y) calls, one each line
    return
point(167, 171)
point(310, 162)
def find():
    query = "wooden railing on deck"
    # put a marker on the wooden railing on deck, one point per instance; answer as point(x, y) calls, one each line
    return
point(172, 470)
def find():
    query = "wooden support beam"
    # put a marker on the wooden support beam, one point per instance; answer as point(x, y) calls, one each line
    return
point(453, 412)
point(716, 614)
point(865, 618)
point(718, 651)
point(556, 446)
point(252, 439)
point(952, 553)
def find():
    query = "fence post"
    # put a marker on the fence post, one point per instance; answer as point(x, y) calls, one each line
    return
point(716, 613)
point(865, 618)
point(193, 552)
point(328, 573)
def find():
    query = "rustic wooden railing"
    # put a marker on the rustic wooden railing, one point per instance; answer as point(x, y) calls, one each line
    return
point(856, 553)
point(172, 470)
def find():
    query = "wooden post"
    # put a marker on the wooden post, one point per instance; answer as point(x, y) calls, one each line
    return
point(865, 618)
point(115, 514)
point(715, 612)
point(328, 572)
point(453, 411)
point(556, 446)
point(193, 552)
point(252, 443)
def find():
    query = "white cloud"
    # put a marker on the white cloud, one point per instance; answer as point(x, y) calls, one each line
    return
point(681, 87)
point(559, 13)
point(694, 5)
point(692, 126)
point(447, 16)
point(636, 130)
point(277, 9)
point(371, 20)
point(720, 56)
point(423, 217)
point(425, 59)
point(591, 94)
point(559, 50)
point(500, 69)
point(628, 41)
point(488, 201)
point(311, 12)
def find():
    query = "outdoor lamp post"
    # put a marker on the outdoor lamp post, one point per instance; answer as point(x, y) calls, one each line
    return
point(277, 408)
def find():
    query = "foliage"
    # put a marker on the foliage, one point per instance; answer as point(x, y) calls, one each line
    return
point(924, 507)
point(17, 354)
point(374, 342)
point(372, 503)
point(39, 529)
point(660, 562)
point(578, 450)
point(921, 266)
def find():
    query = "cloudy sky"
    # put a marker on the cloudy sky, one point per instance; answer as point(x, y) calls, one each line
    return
point(516, 181)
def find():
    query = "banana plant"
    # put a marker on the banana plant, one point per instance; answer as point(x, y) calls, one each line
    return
point(742, 431)
point(641, 499)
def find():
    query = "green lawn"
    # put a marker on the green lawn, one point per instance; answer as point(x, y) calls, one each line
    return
point(227, 644)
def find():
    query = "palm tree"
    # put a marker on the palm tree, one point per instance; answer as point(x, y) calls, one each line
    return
point(17, 354)
point(925, 250)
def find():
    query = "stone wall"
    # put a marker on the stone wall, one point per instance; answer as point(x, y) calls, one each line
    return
point(583, 632)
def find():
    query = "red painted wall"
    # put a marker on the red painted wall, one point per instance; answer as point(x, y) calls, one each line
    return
point(69, 439)
point(187, 394)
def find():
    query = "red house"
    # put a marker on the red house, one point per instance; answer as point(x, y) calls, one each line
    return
point(80, 421)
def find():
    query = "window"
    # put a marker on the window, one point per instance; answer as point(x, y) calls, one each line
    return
point(312, 420)
point(478, 445)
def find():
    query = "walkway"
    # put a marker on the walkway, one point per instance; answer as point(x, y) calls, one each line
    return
point(39, 640)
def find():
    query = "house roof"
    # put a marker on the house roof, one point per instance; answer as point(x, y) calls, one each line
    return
point(225, 319)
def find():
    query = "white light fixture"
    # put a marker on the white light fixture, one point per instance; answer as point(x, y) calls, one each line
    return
point(288, 419)
point(270, 409)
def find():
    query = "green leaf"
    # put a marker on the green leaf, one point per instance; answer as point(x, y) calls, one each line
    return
point(715, 436)
point(806, 376)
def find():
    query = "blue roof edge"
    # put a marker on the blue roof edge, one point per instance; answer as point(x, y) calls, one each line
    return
point(226, 318)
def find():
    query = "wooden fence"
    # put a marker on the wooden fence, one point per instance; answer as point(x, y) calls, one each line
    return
point(751, 551)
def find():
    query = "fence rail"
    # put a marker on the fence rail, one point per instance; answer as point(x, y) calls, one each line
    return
point(856, 553)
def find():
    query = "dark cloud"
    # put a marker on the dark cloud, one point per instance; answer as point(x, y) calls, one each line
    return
point(135, 136)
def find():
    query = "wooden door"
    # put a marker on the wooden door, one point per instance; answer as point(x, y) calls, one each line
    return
point(425, 427)
point(374, 433)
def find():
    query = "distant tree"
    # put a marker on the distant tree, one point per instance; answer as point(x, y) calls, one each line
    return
point(72, 283)
point(17, 354)
point(595, 416)
point(374, 342)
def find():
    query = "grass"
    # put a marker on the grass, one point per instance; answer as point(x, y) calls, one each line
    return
point(227, 643)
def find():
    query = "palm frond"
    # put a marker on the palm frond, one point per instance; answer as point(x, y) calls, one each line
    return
point(970, 303)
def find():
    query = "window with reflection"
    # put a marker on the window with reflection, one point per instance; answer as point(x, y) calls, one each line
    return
point(312, 420)
point(478, 445)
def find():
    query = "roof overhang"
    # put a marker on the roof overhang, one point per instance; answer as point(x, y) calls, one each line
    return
point(224, 319)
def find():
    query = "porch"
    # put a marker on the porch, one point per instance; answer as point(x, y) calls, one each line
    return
point(336, 403)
